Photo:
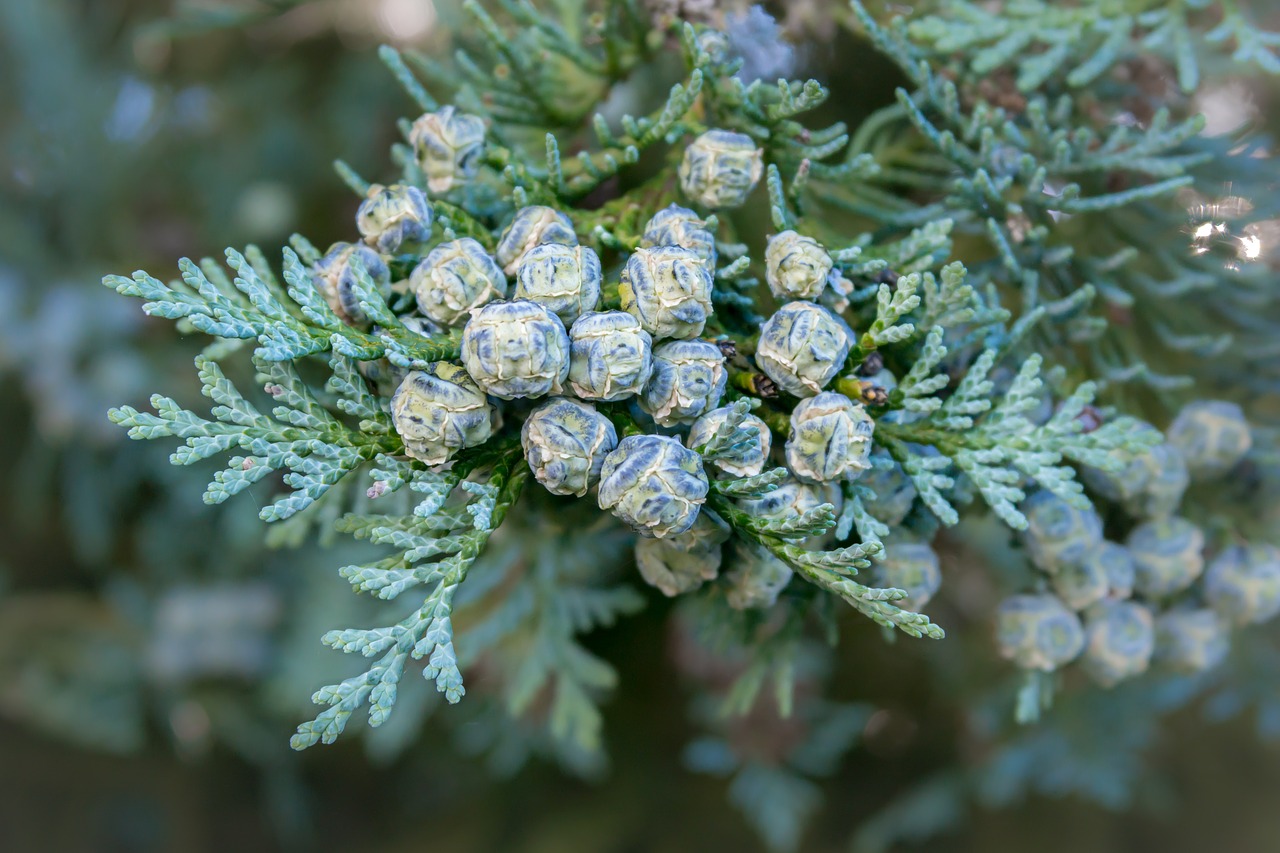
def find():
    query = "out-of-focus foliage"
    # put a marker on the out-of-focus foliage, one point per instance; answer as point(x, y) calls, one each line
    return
point(115, 615)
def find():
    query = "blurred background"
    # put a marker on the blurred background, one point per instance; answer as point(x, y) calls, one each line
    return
point(156, 655)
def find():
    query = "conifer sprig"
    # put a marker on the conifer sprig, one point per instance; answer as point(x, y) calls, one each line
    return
point(437, 547)
point(288, 321)
point(1080, 41)
point(301, 436)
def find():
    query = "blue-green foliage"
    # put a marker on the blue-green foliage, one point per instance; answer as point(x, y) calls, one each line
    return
point(1015, 255)
point(1078, 43)
point(457, 536)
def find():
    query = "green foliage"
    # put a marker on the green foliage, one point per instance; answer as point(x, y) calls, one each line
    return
point(998, 443)
point(1080, 42)
point(1008, 250)
point(534, 632)
point(772, 780)
point(301, 435)
point(1013, 171)
point(456, 536)
point(288, 324)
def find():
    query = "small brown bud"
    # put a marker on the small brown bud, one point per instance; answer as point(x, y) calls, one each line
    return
point(763, 386)
point(874, 395)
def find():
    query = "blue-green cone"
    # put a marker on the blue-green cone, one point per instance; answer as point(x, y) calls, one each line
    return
point(655, 484)
point(683, 562)
point(1120, 641)
point(454, 279)
point(565, 279)
point(802, 347)
point(1243, 584)
point(679, 226)
point(335, 277)
point(1038, 632)
point(610, 356)
point(532, 226)
point(830, 438)
point(755, 577)
point(895, 493)
point(395, 218)
point(668, 289)
point(1167, 556)
point(447, 144)
point(1191, 641)
point(913, 567)
point(687, 381)
point(1149, 485)
point(516, 349)
point(1081, 584)
point(565, 443)
point(1117, 566)
point(1058, 534)
point(1212, 435)
point(796, 266)
point(720, 168)
point(439, 411)
point(743, 460)
point(792, 498)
